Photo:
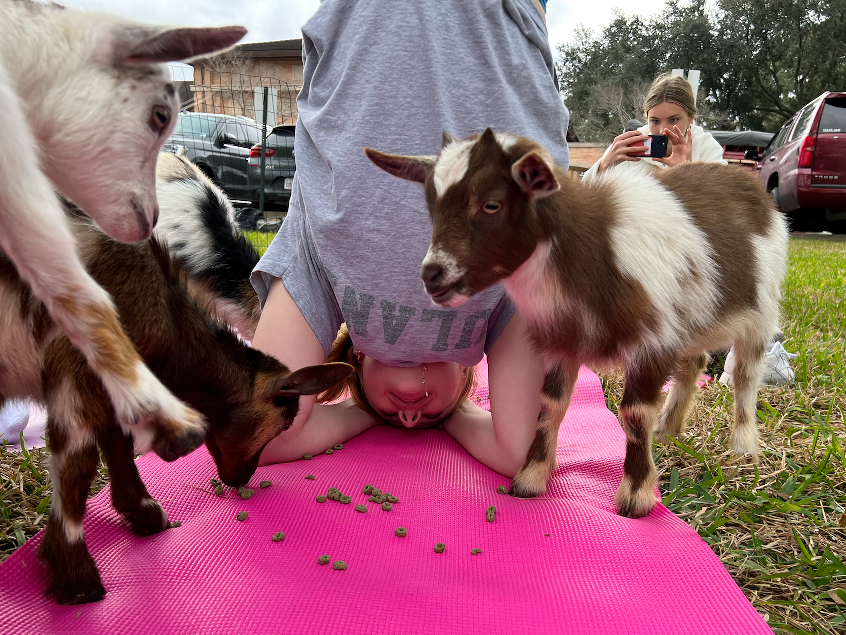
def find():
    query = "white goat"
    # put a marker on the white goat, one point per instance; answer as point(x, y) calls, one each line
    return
point(650, 270)
point(87, 104)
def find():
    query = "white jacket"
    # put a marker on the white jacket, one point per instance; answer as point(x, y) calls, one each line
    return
point(703, 148)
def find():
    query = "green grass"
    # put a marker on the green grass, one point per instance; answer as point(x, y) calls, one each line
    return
point(778, 525)
point(261, 241)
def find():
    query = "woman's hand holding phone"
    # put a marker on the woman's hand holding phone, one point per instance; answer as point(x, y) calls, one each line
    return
point(622, 150)
point(681, 146)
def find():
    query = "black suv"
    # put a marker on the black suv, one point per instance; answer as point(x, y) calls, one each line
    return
point(220, 146)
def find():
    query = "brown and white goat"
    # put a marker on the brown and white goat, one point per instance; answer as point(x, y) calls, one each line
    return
point(246, 396)
point(87, 102)
point(650, 269)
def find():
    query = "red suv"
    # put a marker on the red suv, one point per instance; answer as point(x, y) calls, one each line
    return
point(804, 166)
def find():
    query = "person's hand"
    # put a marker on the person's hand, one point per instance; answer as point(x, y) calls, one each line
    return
point(621, 151)
point(681, 146)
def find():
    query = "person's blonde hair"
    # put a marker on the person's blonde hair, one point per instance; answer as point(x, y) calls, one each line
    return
point(342, 351)
point(674, 89)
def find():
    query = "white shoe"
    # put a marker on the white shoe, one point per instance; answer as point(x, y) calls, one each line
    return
point(777, 368)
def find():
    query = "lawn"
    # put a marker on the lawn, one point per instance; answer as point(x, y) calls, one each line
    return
point(778, 525)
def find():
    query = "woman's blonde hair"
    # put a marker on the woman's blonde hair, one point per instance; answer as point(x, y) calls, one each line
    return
point(342, 351)
point(674, 89)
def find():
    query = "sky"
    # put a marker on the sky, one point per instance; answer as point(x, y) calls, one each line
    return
point(282, 19)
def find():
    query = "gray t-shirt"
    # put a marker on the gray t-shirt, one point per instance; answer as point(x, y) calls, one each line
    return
point(393, 77)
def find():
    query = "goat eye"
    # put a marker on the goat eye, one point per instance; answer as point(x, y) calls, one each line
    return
point(160, 118)
point(491, 207)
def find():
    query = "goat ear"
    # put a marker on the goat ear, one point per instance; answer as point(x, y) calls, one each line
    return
point(309, 380)
point(534, 176)
point(141, 45)
point(446, 139)
point(409, 168)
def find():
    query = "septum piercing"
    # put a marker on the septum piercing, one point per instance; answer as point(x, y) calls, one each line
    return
point(424, 380)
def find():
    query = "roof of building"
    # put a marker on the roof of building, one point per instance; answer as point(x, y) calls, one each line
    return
point(278, 49)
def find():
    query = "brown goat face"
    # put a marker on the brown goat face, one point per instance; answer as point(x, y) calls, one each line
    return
point(481, 193)
point(236, 439)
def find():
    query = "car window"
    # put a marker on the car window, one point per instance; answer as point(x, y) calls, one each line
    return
point(803, 121)
point(779, 139)
point(833, 117)
point(237, 130)
point(253, 134)
point(194, 126)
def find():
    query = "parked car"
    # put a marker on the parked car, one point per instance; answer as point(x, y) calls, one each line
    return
point(804, 166)
point(279, 165)
point(742, 147)
point(220, 146)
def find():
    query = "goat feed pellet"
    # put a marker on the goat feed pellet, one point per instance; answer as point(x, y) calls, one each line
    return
point(361, 508)
point(309, 477)
point(176, 523)
point(245, 493)
point(439, 548)
point(376, 492)
point(473, 552)
point(242, 516)
point(321, 498)
point(501, 489)
point(344, 499)
point(339, 565)
point(218, 490)
point(324, 559)
point(392, 499)
point(386, 506)
point(368, 489)
point(490, 517)
point(214, 482)
point(329, 451)
point(492, 508)
point(278, 536)
point(402, 532)
point(307, 457)
point(264, 484)
point(338, 446)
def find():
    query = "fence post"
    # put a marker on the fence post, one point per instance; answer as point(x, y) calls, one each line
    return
point(261, 159)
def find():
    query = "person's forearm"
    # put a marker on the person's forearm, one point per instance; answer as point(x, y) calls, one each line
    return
point(325, 426)
point(473, 428)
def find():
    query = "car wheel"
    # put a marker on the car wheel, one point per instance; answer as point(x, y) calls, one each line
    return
point(774, 195)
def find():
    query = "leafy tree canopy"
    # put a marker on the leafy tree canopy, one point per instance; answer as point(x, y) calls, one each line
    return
point(760, 61)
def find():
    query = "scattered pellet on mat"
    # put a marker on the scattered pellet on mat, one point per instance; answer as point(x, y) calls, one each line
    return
point(242, 516)
point(219, 490)
point(321, 498)
point(401, 532)
point(339, 565)
point(361, 508)
point(376, 492)
point(392, 499)
point(309, 477)
point(368, 489)
point(346, 500)
point(372, 499)
point(380, 499)
point(501, 489)
point(264, 484)
point(439, 548)
point(492, 508)
point(214, 482)
point(176, 523)
point(307, 457)
point(323, 560)
point(329, 451)
point(386, 506)
point(338, 446)
point(245, 492)
point(473, 552)
point(279, 536)
point(490, 517)
point(547, 535)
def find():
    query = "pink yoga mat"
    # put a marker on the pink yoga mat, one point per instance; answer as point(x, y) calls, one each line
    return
point(565, 563)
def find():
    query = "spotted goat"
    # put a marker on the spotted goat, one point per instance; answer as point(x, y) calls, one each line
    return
point(648, 269)
point(87, 102)
point(246, 397)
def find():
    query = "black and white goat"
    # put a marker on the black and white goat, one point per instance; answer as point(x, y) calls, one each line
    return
point(87, 102)
point(246, 397)
point(650, 269)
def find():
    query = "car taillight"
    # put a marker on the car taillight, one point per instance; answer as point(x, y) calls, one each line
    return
point(255, 151)
point(806, 152)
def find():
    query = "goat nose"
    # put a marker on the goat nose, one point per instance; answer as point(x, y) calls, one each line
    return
point(431, 273)
point(409, 419)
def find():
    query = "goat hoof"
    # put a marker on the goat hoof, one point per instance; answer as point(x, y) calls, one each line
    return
point(82, 590)
point(635, 503)
point(148, 518)
point(171, 447)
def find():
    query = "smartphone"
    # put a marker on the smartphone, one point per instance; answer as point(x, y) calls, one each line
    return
point(656, 146)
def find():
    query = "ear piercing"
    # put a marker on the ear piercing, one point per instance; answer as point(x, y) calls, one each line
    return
point(424, 380)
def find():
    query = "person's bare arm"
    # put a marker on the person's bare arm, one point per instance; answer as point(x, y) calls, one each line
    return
point(501, 438)
point(285, 334)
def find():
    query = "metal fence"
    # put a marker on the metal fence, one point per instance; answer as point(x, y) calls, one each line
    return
point(223, 114)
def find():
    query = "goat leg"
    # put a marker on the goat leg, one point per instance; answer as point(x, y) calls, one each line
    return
point(73, 575)
point(748, 369)
point(683, 387)
point(129, 495)
point(557, 390)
